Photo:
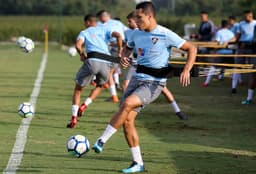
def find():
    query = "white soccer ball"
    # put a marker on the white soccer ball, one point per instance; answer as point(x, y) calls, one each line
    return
point(27, 45)
point(72, 51)
point(20, 40)
point(78, 145)
point(26, 110)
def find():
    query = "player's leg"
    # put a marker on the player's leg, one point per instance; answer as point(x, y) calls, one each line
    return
point(117, 120)
point(251, 86)
point(92, 96)
point(128, 75)
point(209, 77)
point(137, 95)
point(116, 75)
point(132, 139)
point(83, 78)
point(101, 70)
point(112, 86)
point(170, 98)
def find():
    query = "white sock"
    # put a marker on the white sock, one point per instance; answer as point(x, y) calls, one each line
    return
point(136, 155)
point(175, 106)
point(109, 131)
point(88, 101)
point(235, 80)
point(75, 110)
point(250, 94)
point(112, 89)
point(116, 78)
point(210, 74)
point(240, 78)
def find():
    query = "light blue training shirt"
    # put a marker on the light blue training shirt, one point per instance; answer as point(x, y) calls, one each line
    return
point(154, 48)
point(113, 25)
point(246, 30)
point(222, 36)
point(234, 28)
point(95, 39)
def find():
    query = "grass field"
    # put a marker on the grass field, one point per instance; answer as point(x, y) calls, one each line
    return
point(218, 138)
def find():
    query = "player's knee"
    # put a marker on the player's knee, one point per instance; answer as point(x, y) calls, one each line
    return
point(127, 105)
point(128, 125)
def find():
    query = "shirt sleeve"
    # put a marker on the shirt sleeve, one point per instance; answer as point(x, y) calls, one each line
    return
point(217, 37)
point(81, 36)
point(173, 40)
point(130, 41)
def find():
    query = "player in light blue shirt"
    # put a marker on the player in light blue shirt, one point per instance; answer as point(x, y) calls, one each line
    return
point(245, 42)
point(153, 43)
point(233, 25)
point(223, 37)
point(94, 39)
point(106, 22)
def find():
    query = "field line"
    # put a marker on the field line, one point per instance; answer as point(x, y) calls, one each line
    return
point(21, 136)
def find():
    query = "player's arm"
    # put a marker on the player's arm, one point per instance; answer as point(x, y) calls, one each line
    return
point(79, 48)
point(125, 60)
point(119, 41)
point(192, 51)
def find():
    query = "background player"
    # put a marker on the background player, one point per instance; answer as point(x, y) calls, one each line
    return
point(94, 40)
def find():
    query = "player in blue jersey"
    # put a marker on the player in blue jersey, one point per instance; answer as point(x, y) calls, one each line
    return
point(245, 42)
point(105, 21)
point(153, 44)
point(95, 62)
point(223, 37)
point(233, 25)
point(247, 45)
point(133, 66)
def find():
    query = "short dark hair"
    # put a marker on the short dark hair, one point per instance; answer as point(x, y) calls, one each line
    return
point(131, 15)
point(204, 12)
point(101, 12)
point(89, 17)
point(247, 11)
point(224, 23)
point(147, 7)
point(232, 17)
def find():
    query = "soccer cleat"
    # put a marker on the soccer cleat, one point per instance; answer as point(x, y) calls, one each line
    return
point(204, 85)
point(134, 168)
point(72, 123)
point(98, 146)
point(233, 91)
point(246, 102)
point(182, 115)
point(81, 110)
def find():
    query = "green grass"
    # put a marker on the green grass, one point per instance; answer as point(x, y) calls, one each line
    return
point(218, 138)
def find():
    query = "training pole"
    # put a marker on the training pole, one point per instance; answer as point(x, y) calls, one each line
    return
point(46, 39)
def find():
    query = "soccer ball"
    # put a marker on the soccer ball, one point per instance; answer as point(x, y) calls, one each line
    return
point(20, 40)
point(26, 110)
point(72, 51)
point(78, 145)
point(27, 45)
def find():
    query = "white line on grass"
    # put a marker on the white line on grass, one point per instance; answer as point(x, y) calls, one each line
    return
point(21, 136)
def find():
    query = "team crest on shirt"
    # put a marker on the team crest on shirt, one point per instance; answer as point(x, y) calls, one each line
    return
point(154, 40)
point(141, 51)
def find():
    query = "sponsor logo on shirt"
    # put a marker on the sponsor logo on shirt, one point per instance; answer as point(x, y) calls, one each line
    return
point(154, 40)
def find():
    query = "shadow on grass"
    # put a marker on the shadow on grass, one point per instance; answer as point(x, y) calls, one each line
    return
point(213, 163)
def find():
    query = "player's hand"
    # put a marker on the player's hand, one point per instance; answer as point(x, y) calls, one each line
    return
point(185, 78)
point(125, 62)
